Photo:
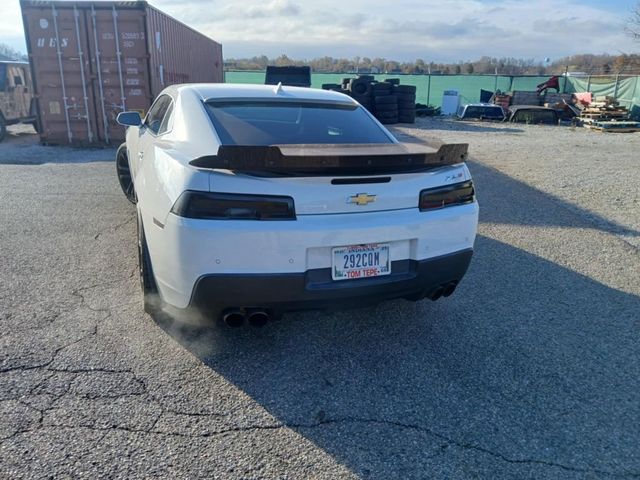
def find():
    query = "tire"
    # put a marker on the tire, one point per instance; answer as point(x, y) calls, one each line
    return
point(386, 114)
point(386, 109)
point(150, 296)
point(369, 78)
point(406, 89)
point(406, 112)
point(381, 88)
point(407, 105)
point(3, 127)
point(406, 119)
point(406, 97)
point(359, 86)
point(386, 100)
point(393, 81)
point(124, 174)
point(361, 98)
point(388, 121)
point(331, 86)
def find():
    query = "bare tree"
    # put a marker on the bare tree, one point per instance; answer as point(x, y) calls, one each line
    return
point(633, 25)
point(9, 53)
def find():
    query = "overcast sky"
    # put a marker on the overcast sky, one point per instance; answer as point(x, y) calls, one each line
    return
point(438, 30)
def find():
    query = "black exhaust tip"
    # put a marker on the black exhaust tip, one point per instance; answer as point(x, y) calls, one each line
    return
point(234, 318)
point(259, 318)
point(449, 289)
point(437, 294)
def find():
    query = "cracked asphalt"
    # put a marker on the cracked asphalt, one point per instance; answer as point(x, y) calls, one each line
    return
point(531, 370)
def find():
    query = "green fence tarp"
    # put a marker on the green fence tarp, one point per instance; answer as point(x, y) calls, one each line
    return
point(429, 89)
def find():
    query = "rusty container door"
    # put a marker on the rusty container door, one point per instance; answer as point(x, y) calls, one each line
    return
point(179, 54)
point(91, 60)
point(120, 65)
point(57, 44)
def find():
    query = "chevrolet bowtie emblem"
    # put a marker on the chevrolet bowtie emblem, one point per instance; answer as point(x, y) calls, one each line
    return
point(362, 199)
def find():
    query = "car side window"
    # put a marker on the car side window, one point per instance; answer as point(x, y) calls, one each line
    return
point(157, 113)
point(167, 122)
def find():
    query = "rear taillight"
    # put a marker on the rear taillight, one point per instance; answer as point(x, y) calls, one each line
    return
point(448, 196)
point(233, 206)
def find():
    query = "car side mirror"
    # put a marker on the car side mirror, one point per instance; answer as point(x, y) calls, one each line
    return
point(129, 119)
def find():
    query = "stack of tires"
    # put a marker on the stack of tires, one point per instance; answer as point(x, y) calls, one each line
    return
point(406, 95)
point(385, 103)
point(389, 101)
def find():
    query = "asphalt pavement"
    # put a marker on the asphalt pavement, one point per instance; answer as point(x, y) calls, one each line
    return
point(530, 370)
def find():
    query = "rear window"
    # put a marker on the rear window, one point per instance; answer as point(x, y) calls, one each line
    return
point(483, 112)
point(281, 123)
point(535, 116)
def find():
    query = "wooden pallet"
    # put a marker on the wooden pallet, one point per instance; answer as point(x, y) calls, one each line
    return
point(603, 116)
point(614, 127)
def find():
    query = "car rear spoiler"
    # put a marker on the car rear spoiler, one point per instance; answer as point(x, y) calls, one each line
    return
point(329, 159)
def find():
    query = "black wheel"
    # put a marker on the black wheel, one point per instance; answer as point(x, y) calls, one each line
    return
point(393, 81)
point(360, 86)
point(361, 98)
point(3, 127)
point(406, 105)
point(124, 174)
point(406, 97)
point(386, 114)
point(406, 89)
point(151, 299)
point(402, 119)
point(381, 88)
point(331, 86)
point(386, 107)
point(386, 100)
point(406, 111)
point(388, 121)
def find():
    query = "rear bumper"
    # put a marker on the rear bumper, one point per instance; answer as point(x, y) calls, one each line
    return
point(314, 289)
point(185, 251)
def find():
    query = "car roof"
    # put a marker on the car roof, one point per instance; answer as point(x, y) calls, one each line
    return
point(210, 91)
point(480, 104)
point(513, 108)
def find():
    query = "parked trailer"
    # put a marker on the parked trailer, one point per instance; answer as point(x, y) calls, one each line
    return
point(91, 60)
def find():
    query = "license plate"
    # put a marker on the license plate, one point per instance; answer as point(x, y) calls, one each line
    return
point(360, 261)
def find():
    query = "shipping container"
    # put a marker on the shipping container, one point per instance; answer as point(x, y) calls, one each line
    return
point(91, 60)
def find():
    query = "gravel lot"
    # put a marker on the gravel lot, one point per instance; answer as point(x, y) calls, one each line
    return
point(531, 370)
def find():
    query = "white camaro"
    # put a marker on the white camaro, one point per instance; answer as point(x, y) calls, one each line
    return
point(254, 200)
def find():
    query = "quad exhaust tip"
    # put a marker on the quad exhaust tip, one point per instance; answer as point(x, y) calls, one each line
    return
point(449, 289)
point(237, 318)
point(234, 318)
point(444, 290)
point(259, 318)
point(437, 293)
